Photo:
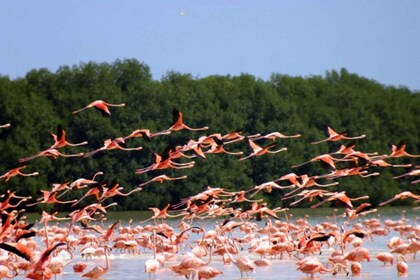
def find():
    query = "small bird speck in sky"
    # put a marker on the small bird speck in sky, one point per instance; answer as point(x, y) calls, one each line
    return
point(181, 13)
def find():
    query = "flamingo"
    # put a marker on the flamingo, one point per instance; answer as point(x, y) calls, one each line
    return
point(206, 272)
point(399, 151)
point(101, 105)
point(16, 171)
point(414, 172)
point(178, 123)
point(355, 268)
point(49, 198)
point(60, 139)
point(117, 143)
point(334, 136)
point(273, 136)
point(385, 257)
point(145, 133)
point(402, 195)
point(362, 209)
point(7, 125)
point(191, 263)
point(402, 266)
point(164, 162)
point(258, 151)
point(41, 271)
point(312, 265)
point(326, 161)
point(161, 178)
point(243, 263)
point(310, 194)
point(54, 153)
point(152, 265)
point(342, 197)
point(98, 271)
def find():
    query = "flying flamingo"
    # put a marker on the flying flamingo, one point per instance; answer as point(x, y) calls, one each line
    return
point(273, 136)
point(98, 271)
point(258, 151)
point(145, 133)
point(326, 161)
point(50, 198)
point(102, 106)
point(178, 123)
point(16, 171)
point(362, 209)
point(161, 178)
point(342, 197)
point(60, 139)
point(83, 183)
point(334, 136)
point(117, 143)
point(310, 194)
point(164, 162)
point(7, 125)
point(218, 147)
point(54, 153)
point(414, 172)
point(399, 151)
point(115, 190)
point(402, 195)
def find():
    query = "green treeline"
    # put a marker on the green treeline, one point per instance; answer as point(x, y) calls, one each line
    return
point(40, 101)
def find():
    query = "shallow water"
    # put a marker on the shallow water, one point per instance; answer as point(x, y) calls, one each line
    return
point(123, 266)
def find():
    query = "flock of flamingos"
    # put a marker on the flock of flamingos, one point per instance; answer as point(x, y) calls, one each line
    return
point(36, 251)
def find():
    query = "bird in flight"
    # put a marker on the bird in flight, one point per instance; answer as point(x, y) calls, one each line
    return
point(100, 105)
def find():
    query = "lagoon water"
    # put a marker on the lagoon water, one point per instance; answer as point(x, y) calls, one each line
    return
point(123, 266)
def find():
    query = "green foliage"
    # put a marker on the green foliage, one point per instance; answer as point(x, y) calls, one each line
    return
point(40, 101)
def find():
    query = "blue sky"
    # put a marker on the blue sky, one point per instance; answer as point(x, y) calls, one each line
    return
point(377, 39)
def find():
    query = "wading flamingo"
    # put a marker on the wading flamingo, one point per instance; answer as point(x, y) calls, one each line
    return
point(99, 271)
point(100, 105)
point(152, 265)
point(243, 263)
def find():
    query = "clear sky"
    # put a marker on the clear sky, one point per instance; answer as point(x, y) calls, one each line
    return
point(377, 39)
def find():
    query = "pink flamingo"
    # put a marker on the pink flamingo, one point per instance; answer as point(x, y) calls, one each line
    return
point(258, 151)
point(98, 271)
point(16, 171)
point(334, 136)
point(100, 105)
